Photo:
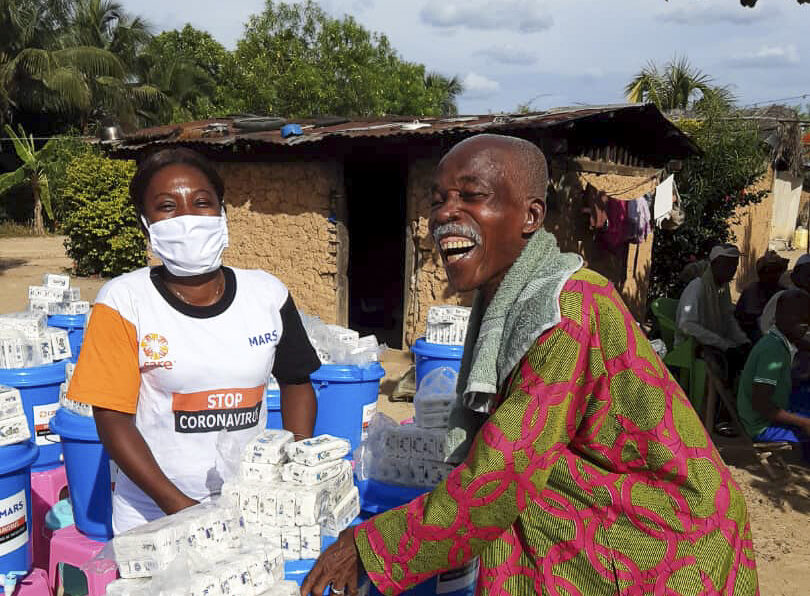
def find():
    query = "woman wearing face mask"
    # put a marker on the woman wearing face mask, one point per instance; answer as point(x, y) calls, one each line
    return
point(175, 354)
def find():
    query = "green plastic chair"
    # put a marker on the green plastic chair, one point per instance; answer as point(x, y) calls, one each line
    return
point(664, 310)
point(691, 370)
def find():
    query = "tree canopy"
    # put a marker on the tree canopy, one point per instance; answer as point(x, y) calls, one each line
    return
point(81, 62)
point(295, 60)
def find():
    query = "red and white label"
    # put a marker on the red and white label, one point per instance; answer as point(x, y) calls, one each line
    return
point(42, 420)
point(368, 413)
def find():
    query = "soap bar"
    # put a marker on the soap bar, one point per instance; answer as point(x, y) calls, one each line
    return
point(291, 544)
point(53, 280)
point(317, 450)
point(310, 503)
point(310, 541)
point(342, 515)
point(14, 430)
point(11, 404)
point(309, 475)
point(268, 447)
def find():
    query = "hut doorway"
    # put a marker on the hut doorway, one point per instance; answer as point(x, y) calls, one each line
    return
point(376, 197)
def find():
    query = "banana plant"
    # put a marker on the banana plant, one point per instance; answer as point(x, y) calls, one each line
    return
point(31, 172)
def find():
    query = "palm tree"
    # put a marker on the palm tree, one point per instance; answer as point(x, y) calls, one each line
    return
point(448, 88)
point(674, 87)
point(37, 74)
point(182, 82)
point(105, 24)
point(32, 172)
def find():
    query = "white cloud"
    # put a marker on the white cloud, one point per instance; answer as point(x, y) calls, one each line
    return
point(767, 57)
point(478, 86)
point(509, 54)
point(704, 12)
point(525, 16)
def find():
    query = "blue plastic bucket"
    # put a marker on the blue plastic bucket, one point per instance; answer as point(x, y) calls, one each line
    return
point(347, 399)
point(273, 400)
point(430, 356)
point(74, 325)
point(88, 474)
point(376, 497)
point(39, 387)
point(15, 507)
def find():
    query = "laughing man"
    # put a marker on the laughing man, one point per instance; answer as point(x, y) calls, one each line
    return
point(588, 471)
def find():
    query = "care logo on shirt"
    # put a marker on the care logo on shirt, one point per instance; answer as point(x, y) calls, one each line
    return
point(155, 346)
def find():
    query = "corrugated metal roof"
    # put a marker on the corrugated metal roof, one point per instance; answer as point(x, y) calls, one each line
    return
point(227, 131)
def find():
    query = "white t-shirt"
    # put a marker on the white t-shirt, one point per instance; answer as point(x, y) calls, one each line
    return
point(187, 373)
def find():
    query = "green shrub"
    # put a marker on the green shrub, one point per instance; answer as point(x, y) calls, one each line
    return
point(103, 236)
point(61, 153)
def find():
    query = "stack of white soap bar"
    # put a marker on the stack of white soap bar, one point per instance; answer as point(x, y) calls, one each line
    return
point(23, 342)
point(26, 340)
point(409, 440)
point(206, 528)
point(252, 569)
point(76, 407)
point(56, 297)
point(288, 512)
point(447, 325)
point(13, 423)
point(410, 471)
point(339, 345)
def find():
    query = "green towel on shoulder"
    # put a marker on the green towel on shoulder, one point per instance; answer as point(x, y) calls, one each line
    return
point(524, 307)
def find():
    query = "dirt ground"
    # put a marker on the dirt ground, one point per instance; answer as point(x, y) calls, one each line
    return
point(24, 260)
point(780, 512)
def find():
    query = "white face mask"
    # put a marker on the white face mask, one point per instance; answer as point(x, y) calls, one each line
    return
point(189, 244)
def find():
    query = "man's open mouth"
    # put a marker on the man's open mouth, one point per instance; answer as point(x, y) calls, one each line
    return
point(455, 248)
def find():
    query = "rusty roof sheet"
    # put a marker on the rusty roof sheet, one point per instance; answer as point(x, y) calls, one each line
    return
point(226, 131)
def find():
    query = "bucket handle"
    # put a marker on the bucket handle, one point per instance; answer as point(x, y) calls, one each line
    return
point(47, 437)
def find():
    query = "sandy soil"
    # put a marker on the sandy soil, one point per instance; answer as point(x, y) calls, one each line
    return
point(780, 511)
point(24, 260)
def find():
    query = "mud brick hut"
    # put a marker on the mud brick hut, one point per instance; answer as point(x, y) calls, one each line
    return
point(340, 212)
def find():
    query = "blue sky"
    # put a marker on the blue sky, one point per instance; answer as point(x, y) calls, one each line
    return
point(559, 52)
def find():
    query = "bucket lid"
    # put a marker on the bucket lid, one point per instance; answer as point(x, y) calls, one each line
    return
point(47, 374)
point(70, 425)
point(376, 497)
point(349, 373)
point(273, 398)
point(423, 348)
point(67, 320)
point(16, 457)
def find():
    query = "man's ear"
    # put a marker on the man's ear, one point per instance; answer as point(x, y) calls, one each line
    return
point(535, 215)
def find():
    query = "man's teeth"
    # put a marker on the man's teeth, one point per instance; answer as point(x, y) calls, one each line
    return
point(458, 244)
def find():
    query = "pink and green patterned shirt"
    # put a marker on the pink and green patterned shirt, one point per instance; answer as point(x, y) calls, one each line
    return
point(592, 476)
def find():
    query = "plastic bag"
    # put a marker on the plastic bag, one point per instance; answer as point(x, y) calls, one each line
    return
point(435, 398)
point(374, 445)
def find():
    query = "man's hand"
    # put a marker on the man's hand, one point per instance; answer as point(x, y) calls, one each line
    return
point(337, 566)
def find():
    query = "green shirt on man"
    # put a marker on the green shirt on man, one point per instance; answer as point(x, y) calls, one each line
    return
point(769, 363)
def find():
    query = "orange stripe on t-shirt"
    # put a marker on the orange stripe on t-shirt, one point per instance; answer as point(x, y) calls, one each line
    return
point(107, 373)
point(217, 399)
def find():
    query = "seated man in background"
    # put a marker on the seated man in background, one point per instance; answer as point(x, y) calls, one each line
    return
point(800, 278)
point(705, 313)
point(767, 410)
point(770, 268)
